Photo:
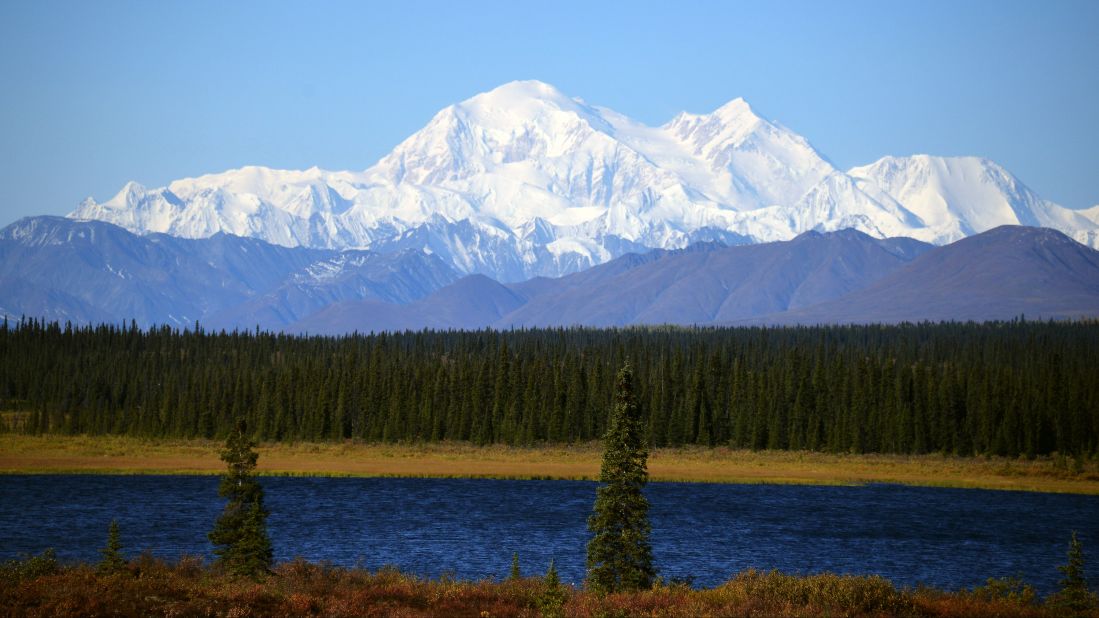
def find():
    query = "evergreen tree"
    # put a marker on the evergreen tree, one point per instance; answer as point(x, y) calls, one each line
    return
point(112, 561)
point(1074, 596)
point(553, 596)
point(552, 580)
point(619, 554)
point(240, 532)
point(515, 574)
point(1007, 388)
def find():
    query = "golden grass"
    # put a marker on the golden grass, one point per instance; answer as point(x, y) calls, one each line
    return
point(20, 454)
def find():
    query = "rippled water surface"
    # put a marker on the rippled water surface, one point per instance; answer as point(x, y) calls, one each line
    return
point(703, 533)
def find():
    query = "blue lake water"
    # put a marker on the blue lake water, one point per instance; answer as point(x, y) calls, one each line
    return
point(948, 538)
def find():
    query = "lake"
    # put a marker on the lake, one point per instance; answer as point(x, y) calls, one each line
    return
point(702, 533)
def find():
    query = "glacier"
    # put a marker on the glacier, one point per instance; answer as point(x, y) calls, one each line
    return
point(525, 181)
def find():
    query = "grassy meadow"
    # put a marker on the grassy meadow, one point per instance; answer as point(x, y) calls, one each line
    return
point(25, 454)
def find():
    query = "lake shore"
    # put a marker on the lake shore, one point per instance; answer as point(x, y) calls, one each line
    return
point(20, 454)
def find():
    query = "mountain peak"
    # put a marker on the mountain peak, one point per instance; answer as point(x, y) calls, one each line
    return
point(511, 132)
point(126, 199)
point(519, 98)
point(525, 180)
point(131, 188)
point(956, 197)
point(735, 113)
point(737, 109)
point(530, 88)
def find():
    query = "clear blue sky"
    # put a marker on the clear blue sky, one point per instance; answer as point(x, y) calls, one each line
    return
point(93, 94)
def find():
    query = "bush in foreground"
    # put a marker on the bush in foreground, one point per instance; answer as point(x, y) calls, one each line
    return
point(147, 586)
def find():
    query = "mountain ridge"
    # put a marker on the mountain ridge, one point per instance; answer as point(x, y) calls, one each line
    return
point(88, 272)
point(525, 181)
point(1034, 272)
point(833, 277)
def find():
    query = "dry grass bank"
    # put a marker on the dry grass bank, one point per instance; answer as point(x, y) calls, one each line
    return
point(123, 455)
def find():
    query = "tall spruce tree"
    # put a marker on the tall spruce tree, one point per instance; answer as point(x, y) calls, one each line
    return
point(240, 532)
point(1074, 597)
point(112, 561)
point(619, 553)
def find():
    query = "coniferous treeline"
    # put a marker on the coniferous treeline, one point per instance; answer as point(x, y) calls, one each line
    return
point(1009, 388)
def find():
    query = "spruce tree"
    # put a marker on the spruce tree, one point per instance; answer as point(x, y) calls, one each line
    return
point(112, 561)
point(552, 599)
point(515, 574)
point(619, 554)
point(552, 580)
point(1074, 596)
point(240, 532)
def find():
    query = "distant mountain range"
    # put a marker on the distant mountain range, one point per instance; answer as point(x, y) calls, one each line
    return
point(1000, 274)
point(90, 271)
point(525, 207)
point(524, 181)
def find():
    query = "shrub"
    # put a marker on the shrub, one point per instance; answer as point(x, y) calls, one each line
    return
point(1010, 589)
point(29, 567)
point(838, 593)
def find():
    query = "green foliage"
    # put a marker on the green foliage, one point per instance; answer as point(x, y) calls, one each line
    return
point(29, 567)
point(514, 574)
point(240, 532)
point(551, 600)
point(1074, 597)
point(1002, 388)
point(1010, 589)
point(619, 553)
point(112, 561)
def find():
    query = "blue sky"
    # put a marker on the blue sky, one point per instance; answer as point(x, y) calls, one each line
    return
point(93, 94)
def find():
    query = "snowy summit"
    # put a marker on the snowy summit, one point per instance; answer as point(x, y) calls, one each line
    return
point(524, 181)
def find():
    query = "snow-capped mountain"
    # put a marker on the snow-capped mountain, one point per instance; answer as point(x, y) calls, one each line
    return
point(525, 181)
point(961, 196)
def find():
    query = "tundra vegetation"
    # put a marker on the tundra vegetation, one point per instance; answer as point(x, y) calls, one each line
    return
point(147, 586)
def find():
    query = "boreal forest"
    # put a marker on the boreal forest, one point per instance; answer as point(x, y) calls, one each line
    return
point(1007, 388)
